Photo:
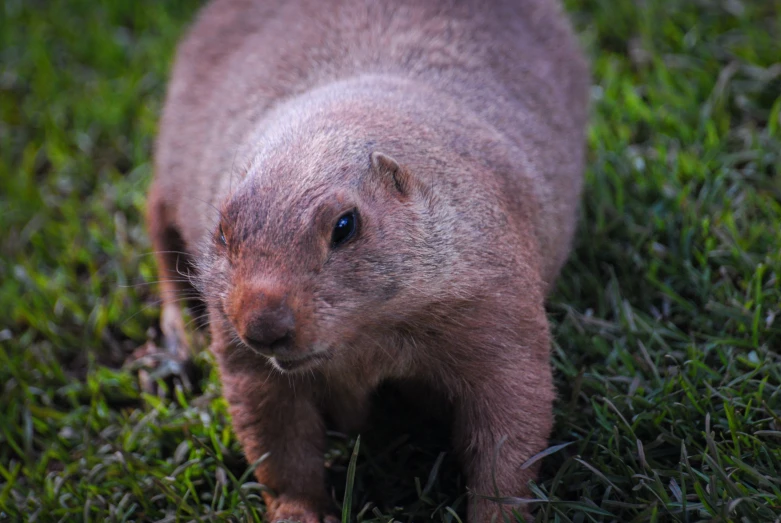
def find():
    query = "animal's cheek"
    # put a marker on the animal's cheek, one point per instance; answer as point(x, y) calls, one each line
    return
point(214, 286)
point(390, 288)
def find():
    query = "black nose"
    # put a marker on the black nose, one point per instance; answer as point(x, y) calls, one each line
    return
point(271, 330)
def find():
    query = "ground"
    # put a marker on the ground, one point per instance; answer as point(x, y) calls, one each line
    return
point(666, 318)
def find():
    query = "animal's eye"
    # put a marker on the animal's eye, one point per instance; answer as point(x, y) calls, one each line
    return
point(344, 229)
point(223, 241)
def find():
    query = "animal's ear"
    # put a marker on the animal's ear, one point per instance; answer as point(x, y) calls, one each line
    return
point(390, 172)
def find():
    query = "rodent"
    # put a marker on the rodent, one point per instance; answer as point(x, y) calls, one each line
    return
point(372, 190)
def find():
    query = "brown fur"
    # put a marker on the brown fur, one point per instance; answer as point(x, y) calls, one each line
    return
point(455, 128)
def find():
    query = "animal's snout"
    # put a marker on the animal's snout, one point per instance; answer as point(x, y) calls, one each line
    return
point(266, 322)
point(270, 330)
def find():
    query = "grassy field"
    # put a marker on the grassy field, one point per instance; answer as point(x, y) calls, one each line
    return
point(666, 319)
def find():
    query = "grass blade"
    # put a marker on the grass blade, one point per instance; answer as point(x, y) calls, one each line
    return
point(347, 504)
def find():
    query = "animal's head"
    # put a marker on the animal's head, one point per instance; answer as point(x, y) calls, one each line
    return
point(329, 235)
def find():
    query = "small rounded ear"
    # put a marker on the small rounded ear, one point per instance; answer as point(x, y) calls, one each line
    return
point(389, 171)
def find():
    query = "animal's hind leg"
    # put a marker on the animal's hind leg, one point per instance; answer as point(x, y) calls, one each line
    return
point(174, 358)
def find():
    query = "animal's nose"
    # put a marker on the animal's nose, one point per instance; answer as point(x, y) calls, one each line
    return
point(270, 329)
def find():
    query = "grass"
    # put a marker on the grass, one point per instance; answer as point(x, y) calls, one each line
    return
point(666, 319)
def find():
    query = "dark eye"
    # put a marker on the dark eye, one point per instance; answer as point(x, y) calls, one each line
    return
point(344, 229)
point(223, 241)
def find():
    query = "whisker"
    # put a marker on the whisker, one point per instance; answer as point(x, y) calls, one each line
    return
point(154, 303)
point(197, 318)
point(152, 253)
point(155, 282)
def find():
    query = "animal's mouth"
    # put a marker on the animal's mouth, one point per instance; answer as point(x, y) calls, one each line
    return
point(297, 364)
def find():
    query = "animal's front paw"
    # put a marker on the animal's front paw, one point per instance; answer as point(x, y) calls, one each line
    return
point(288, 511)
point(152, 363)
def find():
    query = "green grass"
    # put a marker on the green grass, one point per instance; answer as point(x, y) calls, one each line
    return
point(666, 319)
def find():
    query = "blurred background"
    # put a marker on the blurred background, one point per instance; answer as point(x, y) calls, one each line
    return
point(666, 320)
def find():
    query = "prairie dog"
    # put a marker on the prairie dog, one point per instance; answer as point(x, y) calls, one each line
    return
point(373, 190)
